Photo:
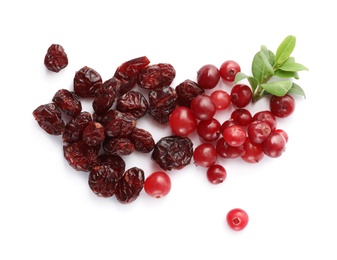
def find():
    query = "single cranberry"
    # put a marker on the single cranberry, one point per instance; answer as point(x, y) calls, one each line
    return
point(242, 116)
point(208, 76)
point(258, 131)
point(282, 132)
point(182, 121)
point(226, 124)
point(229, 69)
point(158, 184)
point(266, 116)
point(274, 145)
point(56, 58)
point(205, 155)
point(221, 99)
point(229, 152)
point(216, 174)
point(234, 135)
point(282, 106)
point(253, 152)
point(241, 95)
point(203, 107)
point(237, 219)
point(209, 130)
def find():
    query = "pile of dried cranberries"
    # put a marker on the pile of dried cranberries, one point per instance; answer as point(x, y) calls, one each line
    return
point(96, 142)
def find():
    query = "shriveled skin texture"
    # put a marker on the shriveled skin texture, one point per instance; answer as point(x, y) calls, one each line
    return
point(186, 91)
point(156, 76)
point(118, 124)
point(118, 146)
point(75, 127)
point(56, 58)
point(68, 102)
point(173, 152)
point(133, 102)
point(49, 118)
point(87, 82)
point(142, 140)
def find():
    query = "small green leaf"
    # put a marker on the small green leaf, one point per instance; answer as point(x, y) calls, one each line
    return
point(239, 76)
point(259, 68)
point(286, 74)
point(269, 54)
point(269, 67)
point(297, 90)
point(291, 65)
point(284, 50)
point(277, 88)
point(252, 81)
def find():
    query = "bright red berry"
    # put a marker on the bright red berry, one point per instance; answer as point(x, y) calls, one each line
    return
point(234, 135)
point(282, 106)
point(208, 76)
point(216, 174)
point(274, 145)
point(203, 107)
point(237, 219)
point(182, 121)
point(205, 155)
point(229, 69)
point(241, 95)
point(157, 185)
point(221, 99)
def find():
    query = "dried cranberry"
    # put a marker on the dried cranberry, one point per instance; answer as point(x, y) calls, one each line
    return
point(119, 146)
point(130, 185)
point(186, 91)
point(173, 152)
point(133, 102)
point(128, 73)
point(156, 76)
point(142, 140)
point(56, 58)
point(118, 124)
point(93, 134)
point(49, 118)
point(87, 81)
point(161, 104)
point(105, 96)
point(75, 127)
point(80, 156)
point(68, 102)
point(114, 161)
point(103, 180)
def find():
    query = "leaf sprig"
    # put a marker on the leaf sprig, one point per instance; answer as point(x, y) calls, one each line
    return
point(280, 67)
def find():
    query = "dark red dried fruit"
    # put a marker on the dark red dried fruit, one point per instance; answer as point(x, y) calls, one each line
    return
point(68, 102)
point(142, 140)
point(186, 91)
point(162, 102)
point(56, 58)
point(103, 180)
point(118, 146)
point(133, 102)
point(128, 73)
point(87, 81)
point(173, 152)
point(80, 156)
point(115, 161)
point(118, 124)
point(130, 185)
point(49, 118)
point(93, 134)
point(75, 127)
point(156, 76)
point(105, 96)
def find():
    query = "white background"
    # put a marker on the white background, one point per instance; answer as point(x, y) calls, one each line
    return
point(47, 208)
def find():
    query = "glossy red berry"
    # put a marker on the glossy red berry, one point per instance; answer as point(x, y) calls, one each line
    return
point(258, 131)
point(182, 121)
point(253, 152)
point(274, 145)
point(266, 116)
point(221, 99)
point(203, 107)
point(157, 185)
point(234, 135)
point(205, 155)
point(237, 219)
point(241, 95)
point(241, 116)
point(282, 106)
point(229, 69)
point(208, 76)
point(216, 174)
point(209, 130)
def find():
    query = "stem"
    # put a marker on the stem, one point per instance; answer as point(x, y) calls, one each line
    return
point(258, 94)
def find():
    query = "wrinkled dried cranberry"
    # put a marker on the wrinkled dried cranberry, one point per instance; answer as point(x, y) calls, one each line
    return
point(156, 76)
point(186, 91)
point(75, 127)
point(142, 140)
point(118, 146)
point(162, 102)
point(68, 102)
point(130, 185)
point(133, 102)
point(114, 161)
point(173, 152)
point(49, 118)
point(128, 73)
point(87, 81)
point(105, 96)
point(80, 156)
point(93, 134)
point(55, 58)
point(118, 124)
point(103, 180)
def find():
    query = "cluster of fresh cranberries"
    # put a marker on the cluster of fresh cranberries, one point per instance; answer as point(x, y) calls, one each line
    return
point(96, 142)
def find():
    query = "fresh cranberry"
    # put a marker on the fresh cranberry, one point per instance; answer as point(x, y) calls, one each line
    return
point(221, 99)
point(282, 106)
point(229, 69)
point(208, 76)
point(253, 152)
point(216, 174)
point(258, 131)
point(182, 121)
point(205, 155)
point(226, 124)
point(266, 116)
point(242, 116)
point(158, 184)
point(234, 135)
point(241, 95)
point(274, 145)
point(229, 152)
point(203, 107)
point(237, 219)
point(282, 132)
point(209, 130)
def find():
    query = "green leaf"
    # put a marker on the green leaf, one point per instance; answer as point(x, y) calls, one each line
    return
point(284, 51)
point(277, 88)
point(239, 76)
point(252, 81)
point(297, 90)
point(269, 54)
point(291, 65)
point(286, 74)
point(259, 68)
point(265, 59)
